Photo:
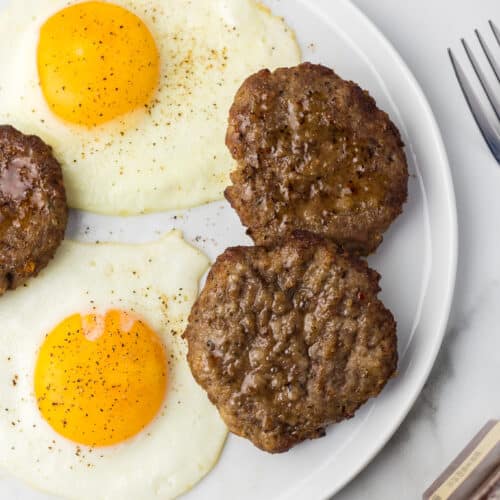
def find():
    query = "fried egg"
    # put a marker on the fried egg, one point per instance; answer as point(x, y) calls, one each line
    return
point(133, 95)
point(96, 396)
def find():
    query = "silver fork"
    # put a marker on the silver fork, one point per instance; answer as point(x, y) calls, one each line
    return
point(490, 131)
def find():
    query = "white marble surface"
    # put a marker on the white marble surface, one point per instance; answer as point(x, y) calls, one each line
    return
point(463, 391)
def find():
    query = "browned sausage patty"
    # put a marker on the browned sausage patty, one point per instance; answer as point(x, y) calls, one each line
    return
point(33, 211)
point(287, 340)
point(314, 153)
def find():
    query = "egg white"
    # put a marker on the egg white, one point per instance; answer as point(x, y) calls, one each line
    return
point(172, 156)
point(184, 441)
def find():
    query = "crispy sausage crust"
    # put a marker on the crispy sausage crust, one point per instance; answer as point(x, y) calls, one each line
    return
point(33, 210)
point(288, 340)
point(314, 153)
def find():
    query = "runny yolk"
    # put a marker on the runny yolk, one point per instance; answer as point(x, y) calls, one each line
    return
point(96, 61)
point(100, 380)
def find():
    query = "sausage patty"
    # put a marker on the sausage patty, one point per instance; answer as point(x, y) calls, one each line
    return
point(33, 211)
point(314, 153)
point(289, 339)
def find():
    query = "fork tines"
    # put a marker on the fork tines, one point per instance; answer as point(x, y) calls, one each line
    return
point(490, 131)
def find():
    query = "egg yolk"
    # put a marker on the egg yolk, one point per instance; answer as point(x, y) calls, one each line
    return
point(100, 379)
point(96, 61)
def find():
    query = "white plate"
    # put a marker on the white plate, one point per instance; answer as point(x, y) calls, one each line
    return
point(417, 261)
